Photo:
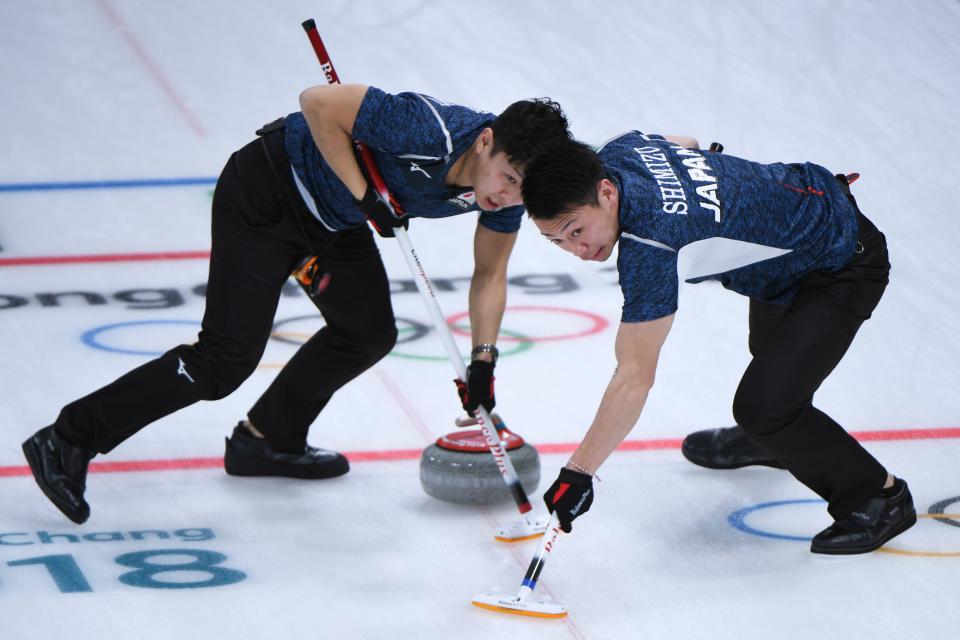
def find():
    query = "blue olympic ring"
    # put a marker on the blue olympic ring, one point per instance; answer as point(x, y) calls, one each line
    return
point(738, 519)
point(89, 337)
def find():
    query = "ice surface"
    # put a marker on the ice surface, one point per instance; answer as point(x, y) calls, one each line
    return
point(108, 90)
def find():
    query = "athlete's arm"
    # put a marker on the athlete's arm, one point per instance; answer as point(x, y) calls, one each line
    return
point(638, 350)
point(330, 111)
point(488, 287)
point(684, 141)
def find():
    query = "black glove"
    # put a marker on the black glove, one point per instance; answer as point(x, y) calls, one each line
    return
point(379, 214)
point(571, 495)
point(478, 389)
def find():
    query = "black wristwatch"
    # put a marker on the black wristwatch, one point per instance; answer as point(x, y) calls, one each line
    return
point(485, 348)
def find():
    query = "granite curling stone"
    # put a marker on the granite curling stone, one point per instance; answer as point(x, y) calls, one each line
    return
point(459, 467)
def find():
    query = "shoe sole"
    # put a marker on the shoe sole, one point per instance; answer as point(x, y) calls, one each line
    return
point(849, 551)
point(33, 461)
point(261, 471)
point(237, 465)
point(703, 462)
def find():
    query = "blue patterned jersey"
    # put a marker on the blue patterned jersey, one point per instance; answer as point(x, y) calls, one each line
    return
point(697, 215)
point(415, 140)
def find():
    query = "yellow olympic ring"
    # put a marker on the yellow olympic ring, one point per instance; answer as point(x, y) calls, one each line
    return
point(925, 554)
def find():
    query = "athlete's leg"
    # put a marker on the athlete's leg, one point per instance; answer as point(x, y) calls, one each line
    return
point(360, 330)
point(774, 403)
point(255, 244)
point(253, 251)
point(730, 447)
point(764, 318)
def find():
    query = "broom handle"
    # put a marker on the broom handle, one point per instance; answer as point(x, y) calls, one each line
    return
point(504, 464)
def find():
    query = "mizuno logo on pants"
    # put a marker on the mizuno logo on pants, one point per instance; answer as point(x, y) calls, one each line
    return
point(182, 371)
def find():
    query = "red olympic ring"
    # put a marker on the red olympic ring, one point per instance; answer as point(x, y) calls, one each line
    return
point(599, 324)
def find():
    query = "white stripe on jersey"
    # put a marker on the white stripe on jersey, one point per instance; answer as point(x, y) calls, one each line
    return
point(714, 255)
point(308, 199)
point(442, 124)
point(413, 156)
point(652, 243)
point(619, 135)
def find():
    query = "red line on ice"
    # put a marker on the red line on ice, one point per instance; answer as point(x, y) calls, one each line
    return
point(394, 455)
point(104, 257)
point(152, 68)
point(408, 408)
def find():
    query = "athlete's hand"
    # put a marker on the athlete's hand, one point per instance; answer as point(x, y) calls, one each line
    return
point(379, 214)
point(478, 389)
point(570, 495)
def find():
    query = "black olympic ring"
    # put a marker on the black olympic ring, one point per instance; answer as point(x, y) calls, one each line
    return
point(409, 330)
point(939, 508)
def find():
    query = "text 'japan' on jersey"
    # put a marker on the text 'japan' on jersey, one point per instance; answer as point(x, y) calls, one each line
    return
point(694, 215)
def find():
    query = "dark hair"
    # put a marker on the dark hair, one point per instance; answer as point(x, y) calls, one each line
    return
point(562, 178)
point(526, 127)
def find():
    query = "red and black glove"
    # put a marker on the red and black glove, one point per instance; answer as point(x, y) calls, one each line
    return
point(379, 214)
point(478, 389)
point(570, 495)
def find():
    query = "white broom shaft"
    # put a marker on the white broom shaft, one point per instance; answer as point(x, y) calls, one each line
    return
point(426, 290)
point(529, 582)
point(453, 353)
point(430, 301)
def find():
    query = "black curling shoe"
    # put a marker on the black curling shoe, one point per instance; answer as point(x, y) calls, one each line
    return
point(727, 448)
point(883, 517)
point(248, 455)
point(60, 468)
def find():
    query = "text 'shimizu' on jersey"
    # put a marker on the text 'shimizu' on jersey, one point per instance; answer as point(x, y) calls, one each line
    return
point(695, 215)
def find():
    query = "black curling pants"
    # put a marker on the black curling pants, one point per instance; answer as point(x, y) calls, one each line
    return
point(260, 232)
point(794, 348)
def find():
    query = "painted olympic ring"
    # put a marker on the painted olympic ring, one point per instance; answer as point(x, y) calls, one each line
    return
point(523, 344)
point(738, 518)
point(938, 509)
point(414, 330)
point(599, 323)
point(91, 338)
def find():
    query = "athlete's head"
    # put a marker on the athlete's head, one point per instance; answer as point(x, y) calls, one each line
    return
point(526, 128)
point(572, 201)
point(504, 149)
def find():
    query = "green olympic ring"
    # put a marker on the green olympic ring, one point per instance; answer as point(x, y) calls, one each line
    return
point(523, 344)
